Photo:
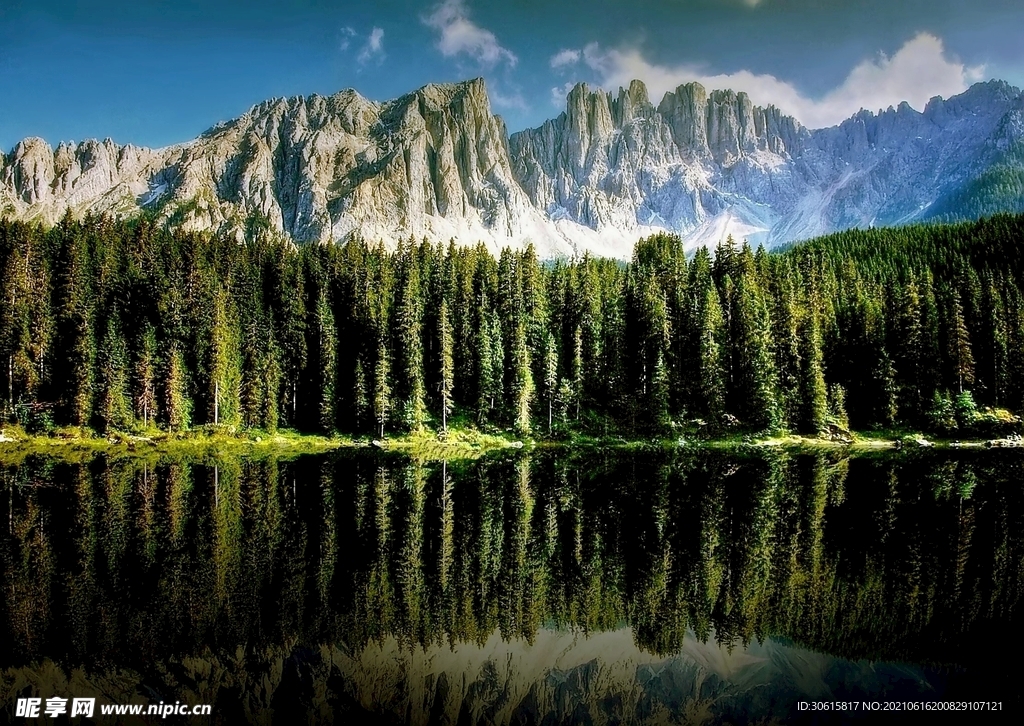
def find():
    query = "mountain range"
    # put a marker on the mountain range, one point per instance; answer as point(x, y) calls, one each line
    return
point(612, 167)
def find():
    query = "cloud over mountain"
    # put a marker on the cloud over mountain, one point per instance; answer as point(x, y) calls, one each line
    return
point(916, 72)
point(373, 48)
point(460, 36)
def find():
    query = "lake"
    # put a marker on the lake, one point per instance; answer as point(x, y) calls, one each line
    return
point(555, 586)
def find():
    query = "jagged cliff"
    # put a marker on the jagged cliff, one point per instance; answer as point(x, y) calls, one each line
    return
point(696, 159)
point(432, 163)
point(437, 163)
point(705, 165)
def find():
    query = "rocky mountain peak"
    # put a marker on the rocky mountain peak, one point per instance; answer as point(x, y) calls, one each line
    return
point(685, 111)
point(632, 103)
point(473, 91)
point(437, 162)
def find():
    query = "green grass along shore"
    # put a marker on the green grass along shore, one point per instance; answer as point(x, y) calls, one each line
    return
point(426, 444)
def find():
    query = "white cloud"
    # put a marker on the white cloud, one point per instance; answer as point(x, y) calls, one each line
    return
point(373, 48)
point(347, 34)
point(916, 72)
point(559, 93)
point(461, 36)
point(566, 57)
point(512, 99)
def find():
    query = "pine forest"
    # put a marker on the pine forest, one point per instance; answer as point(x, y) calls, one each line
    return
point(123, 326)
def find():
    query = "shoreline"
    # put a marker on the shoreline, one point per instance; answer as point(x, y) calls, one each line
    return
point(430, 445)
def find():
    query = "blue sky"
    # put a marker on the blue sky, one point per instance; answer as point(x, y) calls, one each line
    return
point(156, 72)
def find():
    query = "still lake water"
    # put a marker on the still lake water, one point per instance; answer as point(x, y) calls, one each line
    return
point(549, 587)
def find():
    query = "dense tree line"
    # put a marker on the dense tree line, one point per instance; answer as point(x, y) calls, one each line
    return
point(122, 325)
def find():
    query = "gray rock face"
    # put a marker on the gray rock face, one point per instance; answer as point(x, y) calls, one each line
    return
point(437, 163)
point(623, 164)
point(432, 163)
point(892, 167)
point(706, 165)
point(36, 180)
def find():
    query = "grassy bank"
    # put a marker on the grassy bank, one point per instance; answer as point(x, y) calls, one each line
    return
point(83, 443)
point(426, 444)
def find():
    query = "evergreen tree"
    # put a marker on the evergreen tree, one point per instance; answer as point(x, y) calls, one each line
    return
point(222, 362)
point(550, 376)
point(288, 298)
point(327, 362)
point(74, 313)
point(25, 322)
point(931, 357)
point(521, 389)
point(649, 335)
point(360, 397)
point(710, 375)
point(786, 342)
point(447, 372)
point(382, 387)
point(959, 342)
point(574, 387)
point(114, 408)
point(993, 330)
point(177, 407)
point(909, 351)
point(813, 395)
point(409, 315)
point(492, 357)
point(755, 392)
point(144, 376)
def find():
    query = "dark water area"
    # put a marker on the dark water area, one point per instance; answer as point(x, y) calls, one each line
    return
point(550, 587)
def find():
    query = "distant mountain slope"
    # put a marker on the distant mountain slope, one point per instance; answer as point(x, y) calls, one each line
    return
point(997, 188)
point(437, 163)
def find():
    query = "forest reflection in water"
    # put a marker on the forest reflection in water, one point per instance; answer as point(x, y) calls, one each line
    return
point(603, 587)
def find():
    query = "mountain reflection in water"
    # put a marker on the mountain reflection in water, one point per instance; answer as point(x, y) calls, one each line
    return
point(555, 587)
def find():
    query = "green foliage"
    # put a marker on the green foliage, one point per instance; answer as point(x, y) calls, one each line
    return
point(409, 343)
point(964, 410)
point(177, 406)
point(813, 393)
point(959, 415)
point(144, 376)
point(122, 325)
point(837, 407)
point(382, 388)
point(327, 365)
point(942, 415)
point(115, 411)
point(446, 383)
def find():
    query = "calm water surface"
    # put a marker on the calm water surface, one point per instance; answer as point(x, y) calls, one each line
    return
point(553, 587)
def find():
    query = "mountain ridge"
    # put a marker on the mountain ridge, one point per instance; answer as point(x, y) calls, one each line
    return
point(609, 169)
